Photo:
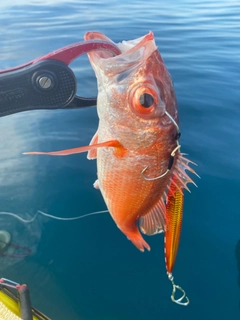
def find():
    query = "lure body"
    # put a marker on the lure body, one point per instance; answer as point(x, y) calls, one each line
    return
point(174, 214)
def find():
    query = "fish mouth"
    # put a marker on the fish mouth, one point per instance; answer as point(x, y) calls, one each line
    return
point(133, 53)
point(92, 35)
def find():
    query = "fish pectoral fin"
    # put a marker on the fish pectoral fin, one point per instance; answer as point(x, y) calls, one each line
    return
point(119, 149)
point(155, 221)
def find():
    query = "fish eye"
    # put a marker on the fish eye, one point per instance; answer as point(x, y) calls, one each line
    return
point(146, 100)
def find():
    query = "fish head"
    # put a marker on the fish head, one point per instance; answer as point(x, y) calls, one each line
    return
point(134, 88)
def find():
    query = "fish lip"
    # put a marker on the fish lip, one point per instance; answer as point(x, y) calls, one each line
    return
point(95, 35)
point(133, 52)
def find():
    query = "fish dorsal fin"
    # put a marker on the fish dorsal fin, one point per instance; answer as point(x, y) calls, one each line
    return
point(180, 176)
point(155, 221)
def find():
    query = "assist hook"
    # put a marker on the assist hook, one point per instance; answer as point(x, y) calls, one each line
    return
point(171, 160)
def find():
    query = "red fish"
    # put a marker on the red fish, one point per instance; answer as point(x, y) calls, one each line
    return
point(136, 144)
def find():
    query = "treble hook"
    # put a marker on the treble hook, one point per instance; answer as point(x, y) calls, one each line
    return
point(175, 288)
point(170, 163)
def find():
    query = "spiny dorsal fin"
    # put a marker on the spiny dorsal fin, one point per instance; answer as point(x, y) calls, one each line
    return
point(179, 172)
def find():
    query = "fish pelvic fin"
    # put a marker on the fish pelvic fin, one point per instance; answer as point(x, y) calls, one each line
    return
point(155, 221)
point(92, 154)
point(119, 149)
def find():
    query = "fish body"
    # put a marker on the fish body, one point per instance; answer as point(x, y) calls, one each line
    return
point(141, 172)
point(136, 143)
point(146, 134)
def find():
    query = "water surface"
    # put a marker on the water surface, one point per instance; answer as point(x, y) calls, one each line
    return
point(87, 269)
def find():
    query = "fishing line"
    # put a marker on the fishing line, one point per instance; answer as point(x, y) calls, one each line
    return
point(70, 219)
point(14, 215)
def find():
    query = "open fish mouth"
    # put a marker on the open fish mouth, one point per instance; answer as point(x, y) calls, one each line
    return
point(133, 53)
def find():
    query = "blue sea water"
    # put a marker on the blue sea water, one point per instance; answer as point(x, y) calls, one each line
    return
point(86, 269)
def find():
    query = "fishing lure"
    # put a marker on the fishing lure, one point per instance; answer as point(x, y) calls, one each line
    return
point(174, 213)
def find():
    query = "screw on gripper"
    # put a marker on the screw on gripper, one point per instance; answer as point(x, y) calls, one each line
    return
point(45, 82)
